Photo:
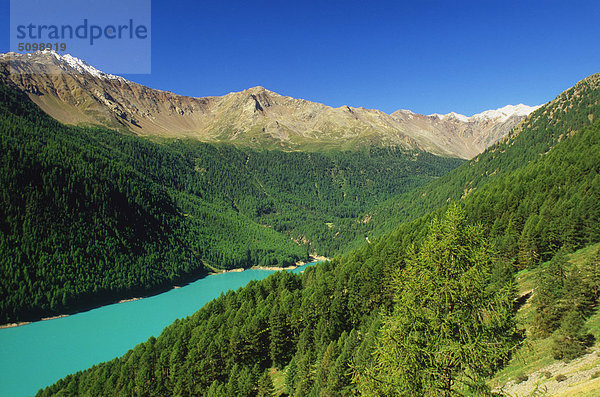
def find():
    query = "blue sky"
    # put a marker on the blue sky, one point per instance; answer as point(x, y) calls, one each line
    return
point(427, 56)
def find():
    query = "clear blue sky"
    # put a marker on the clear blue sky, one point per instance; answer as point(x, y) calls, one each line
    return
point(427, 56)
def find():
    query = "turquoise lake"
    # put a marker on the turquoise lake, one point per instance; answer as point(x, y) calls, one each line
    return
point(36, 355)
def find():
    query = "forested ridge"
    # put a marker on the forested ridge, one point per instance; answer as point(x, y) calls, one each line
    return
point(81, 226)
point(90, 216)
point(568, 113)
point(415, 311)
point(316, 198)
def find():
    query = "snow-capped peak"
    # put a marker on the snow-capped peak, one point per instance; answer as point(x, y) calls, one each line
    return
point(458, 116)
point(451, 115)
point(502, 114)
point(80, 65)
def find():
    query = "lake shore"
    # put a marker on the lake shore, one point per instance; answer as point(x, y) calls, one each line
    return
point(219, 271)
point(12, 325)
point(315, 258)
point(131, 299)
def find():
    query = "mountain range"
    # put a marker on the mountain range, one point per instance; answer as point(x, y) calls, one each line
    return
point(73, 92)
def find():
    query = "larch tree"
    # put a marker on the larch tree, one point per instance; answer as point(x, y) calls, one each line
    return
point(447, 330)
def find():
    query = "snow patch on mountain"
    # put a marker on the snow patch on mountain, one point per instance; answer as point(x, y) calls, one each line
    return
point(502, 114)
point(81, 66)
point(450, 116)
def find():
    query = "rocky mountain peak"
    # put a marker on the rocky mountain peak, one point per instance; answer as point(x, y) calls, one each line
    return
point(73, 92)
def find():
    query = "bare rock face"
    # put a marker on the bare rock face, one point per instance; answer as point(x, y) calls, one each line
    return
point(466, 136)
point(74, 92)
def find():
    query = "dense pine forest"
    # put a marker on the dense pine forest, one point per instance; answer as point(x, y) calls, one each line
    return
point(90, 216)
point(426, 309)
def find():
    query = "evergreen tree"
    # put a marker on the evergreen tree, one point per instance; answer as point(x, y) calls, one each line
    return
point(280, 346)
point(290, 375)
point(447, 331)
point(548, 296)
point(572, 339)
point(265, 386)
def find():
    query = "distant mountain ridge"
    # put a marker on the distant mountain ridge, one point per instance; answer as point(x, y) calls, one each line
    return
point(73, 92)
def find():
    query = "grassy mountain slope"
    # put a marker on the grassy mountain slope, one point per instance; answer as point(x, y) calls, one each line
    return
point(535, 366)
point(313, 327)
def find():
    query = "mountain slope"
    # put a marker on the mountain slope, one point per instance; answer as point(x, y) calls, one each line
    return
point(73, 92)
point(90, 215)
point(318, 324)
point(468, 136)
point(537, 368)
point(564, 116)
point(80, 226)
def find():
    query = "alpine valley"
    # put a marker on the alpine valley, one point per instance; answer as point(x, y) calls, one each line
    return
point(466, 255)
